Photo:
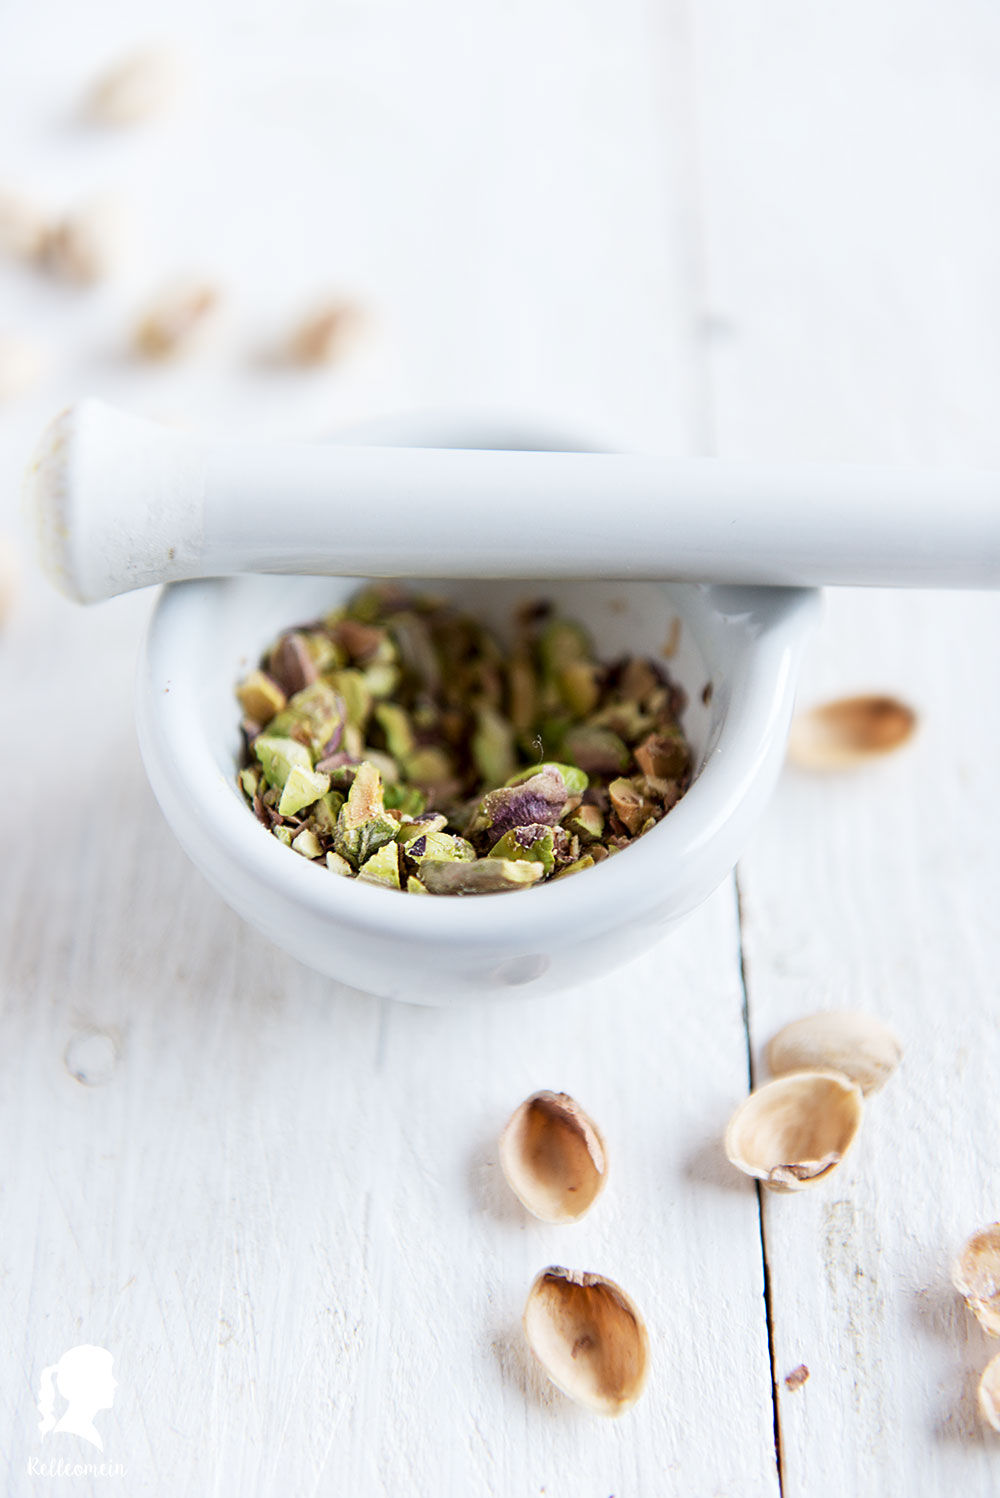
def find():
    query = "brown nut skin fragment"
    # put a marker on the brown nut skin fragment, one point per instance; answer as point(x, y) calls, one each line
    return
point(590, 1338)
point(794, 1131)
point(976, 1276)
point(554, 1157)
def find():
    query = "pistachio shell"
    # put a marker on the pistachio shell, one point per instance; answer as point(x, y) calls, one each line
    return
point(795, 1130)
point(976, 1275)
point(590, 1338)
point(553, 1157)
point(989, 1393)
point(849, 732)
point(840, 1040)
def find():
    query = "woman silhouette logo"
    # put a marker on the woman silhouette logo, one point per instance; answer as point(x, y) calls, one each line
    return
point(83, 1378)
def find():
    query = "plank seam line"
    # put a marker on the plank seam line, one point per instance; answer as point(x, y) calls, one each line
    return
point(751, 1079)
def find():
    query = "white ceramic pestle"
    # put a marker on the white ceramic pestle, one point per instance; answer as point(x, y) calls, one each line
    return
point(122, 503)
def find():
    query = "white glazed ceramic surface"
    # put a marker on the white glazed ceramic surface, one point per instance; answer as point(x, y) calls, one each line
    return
point(203, 636)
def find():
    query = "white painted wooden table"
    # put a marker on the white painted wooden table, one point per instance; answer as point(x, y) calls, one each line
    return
point(725, 227)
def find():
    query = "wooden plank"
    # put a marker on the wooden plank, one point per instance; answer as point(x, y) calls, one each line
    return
point(276, 1201)
point(851, 255)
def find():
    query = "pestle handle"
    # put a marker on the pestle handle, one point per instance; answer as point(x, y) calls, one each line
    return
point(122, 503)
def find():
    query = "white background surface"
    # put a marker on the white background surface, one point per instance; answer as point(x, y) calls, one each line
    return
point(725, 228)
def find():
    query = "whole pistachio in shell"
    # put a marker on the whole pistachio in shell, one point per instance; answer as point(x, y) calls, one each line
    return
point(840, 735)
point(976, 1275)
point(840, 1040)
point(989, 1393)
point(795, 1130)
point(590, 1338)
point(554, 1157)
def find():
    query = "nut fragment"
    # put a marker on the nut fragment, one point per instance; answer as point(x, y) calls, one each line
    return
point(328, 333)
point(136, 88)
point(553, 1157)
point(976, 1275)
point(21, 364)
point(86, 245)
point(590, 1338)
point(177, 320)
point(989, 1393)
point(23, 226)
point(840, 1040)
point(795, 1130)
point(840, 735)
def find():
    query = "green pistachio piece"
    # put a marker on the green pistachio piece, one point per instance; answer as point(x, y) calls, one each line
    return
point(408, 800)
point(353, 742)
point(260, 697)
point(522, 693)
point(535, 797)
point(587, 822)
point(350, 684)
point(384, 764)
point(315, 716)
point(597, 750)
point(493, 746)
point(440, 845)
point(279, 756)
point(362, 825)
point(322, 651)
point(430, 766)
point(534, 842)
point(419, 826)
point(394, 722)
point(323, 814)
point(626, 719)
point(301, 789)
point(382, 867)
point(284, 835)
point(381, 678)
point(414, 886)
point(486, 876)
point(560, 644)
point(338, 865)
point(307, 843)
point(586, 862)
point(579, 687)
point(574, 779)
point(249, 781)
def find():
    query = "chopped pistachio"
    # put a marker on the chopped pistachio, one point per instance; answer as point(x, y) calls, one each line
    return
point(301, 789)
point(536, 761)
point(307, 843)
point(630, 806)
point(315, 716)
point(574, 779)
point(394, 722)
point(486, 876)
point(260, 696)
point(663, 755)
point(382, 867)
point(250, 781)
point(279, 756)
point(362, 824)
point(492, 746)
point(534, 841)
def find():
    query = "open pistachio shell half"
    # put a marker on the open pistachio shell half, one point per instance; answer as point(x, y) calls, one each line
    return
point(590, 1338)
point(989, 1393)
point(841, 1040)
point(554, 1157)
point(839, 735)
point(795, 1130)
point(976, 1275)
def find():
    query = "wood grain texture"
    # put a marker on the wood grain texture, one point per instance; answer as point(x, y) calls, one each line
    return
point(849, 172)
point(277, 1201)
